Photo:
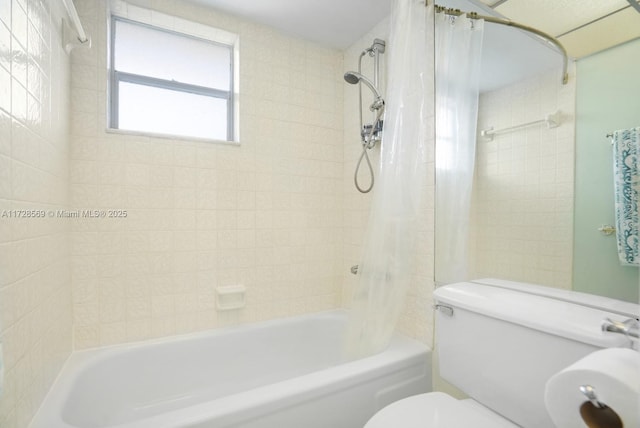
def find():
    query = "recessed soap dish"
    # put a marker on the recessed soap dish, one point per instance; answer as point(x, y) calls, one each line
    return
point(231, 297)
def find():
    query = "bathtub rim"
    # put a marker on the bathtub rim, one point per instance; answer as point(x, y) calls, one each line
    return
point(404, 351)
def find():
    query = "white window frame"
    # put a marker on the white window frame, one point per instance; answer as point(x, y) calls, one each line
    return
point(115, 77)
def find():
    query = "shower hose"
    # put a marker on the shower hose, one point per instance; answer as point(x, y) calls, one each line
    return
point(364, 155)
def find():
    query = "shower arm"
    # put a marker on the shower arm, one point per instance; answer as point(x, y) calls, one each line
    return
point(548, 38)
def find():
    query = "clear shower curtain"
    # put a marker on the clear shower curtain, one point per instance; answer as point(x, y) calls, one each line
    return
point(386, 265)
point(458, 50)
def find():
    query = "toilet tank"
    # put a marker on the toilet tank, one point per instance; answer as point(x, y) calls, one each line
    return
point(499, 341)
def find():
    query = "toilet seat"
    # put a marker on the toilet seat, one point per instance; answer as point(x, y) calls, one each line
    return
point(437, 410)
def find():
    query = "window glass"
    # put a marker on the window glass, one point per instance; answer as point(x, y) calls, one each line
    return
point(143, 50)
point(149, 109)
point(165, 82)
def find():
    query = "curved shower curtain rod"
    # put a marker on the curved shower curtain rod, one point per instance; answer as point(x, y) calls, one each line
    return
point(552, 40)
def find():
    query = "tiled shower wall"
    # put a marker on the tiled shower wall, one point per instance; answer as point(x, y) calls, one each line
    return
point(417, 319)
point(266, 214)
point(522, 211)
point(35, 288)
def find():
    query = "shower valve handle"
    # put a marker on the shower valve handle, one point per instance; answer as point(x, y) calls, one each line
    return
point(369, 137)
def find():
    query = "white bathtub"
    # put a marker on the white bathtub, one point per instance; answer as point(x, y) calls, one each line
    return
point(276, 374)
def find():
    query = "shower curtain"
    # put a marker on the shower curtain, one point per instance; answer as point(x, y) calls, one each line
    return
point(458, 51)
point(386, 265)
point(626, 151)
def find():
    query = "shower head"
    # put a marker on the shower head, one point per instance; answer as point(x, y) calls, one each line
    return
point(354, 78)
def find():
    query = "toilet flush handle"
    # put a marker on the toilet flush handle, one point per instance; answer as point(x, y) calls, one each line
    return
point(446, 310)
point(629, 327)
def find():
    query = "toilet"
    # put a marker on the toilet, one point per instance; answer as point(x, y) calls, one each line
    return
point(499, 342)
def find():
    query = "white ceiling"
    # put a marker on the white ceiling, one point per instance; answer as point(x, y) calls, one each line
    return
point(556, 17)
point(509, 55)
point(582, 26)
point(334, 23)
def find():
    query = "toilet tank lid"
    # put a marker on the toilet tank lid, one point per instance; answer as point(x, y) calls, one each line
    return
point(627, 309)
point(524, 305)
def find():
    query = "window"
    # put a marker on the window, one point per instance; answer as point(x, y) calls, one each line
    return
point(165, 82)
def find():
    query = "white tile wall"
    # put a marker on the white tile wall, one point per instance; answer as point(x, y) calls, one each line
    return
point(267, 214)
point(35, 287)
point(522, 213)
point(417, 320)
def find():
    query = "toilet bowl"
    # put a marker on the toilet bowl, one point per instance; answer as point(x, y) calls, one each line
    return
point(437, 410)
point(499, 342)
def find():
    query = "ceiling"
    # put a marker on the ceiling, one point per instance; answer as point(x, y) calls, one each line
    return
point(333, 23)
point(509, 55)
point(582, 26)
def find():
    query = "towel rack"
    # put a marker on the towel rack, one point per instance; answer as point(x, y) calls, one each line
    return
point(552, 120)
